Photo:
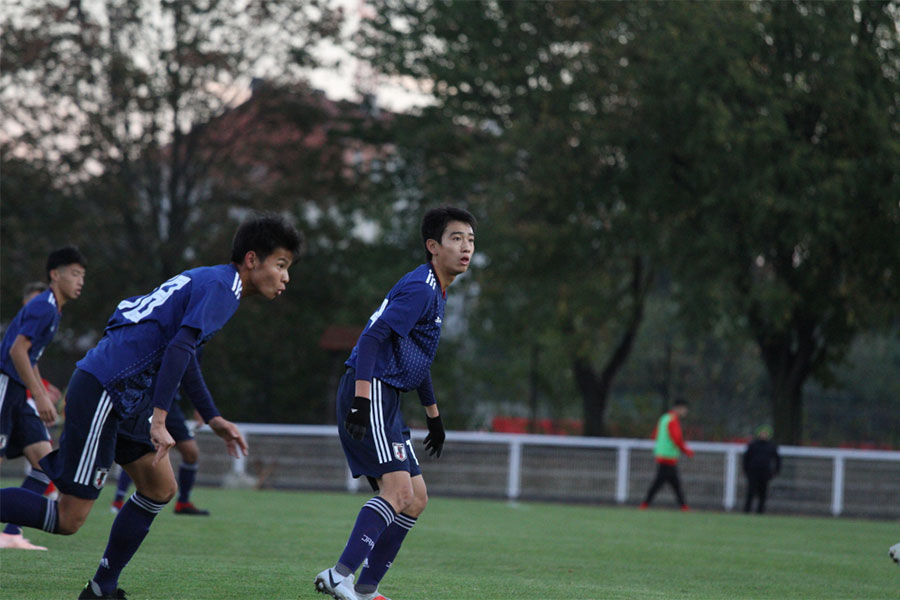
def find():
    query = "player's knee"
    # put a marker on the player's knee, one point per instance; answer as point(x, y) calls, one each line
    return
point(402, 499)
point(189, 454)
point(167, 494)
point(68, 523)
point(417, 506)
point(161, 493)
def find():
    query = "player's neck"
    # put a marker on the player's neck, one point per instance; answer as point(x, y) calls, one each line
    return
point(445, 279)
point(247, 288)
point(60, 297)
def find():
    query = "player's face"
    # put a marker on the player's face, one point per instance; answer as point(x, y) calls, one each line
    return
point(69, 280)
point(453, 255)
point(270, 277)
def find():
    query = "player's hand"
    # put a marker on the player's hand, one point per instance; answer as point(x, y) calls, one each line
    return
point(358, 418)
point(229, 432)
point(46, 409)
point(434, 441)
point(162, 441)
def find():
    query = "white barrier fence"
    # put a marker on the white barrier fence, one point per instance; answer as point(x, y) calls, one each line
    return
point(546, 467)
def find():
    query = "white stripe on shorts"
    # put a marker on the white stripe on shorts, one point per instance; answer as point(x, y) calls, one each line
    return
point(377, 421)
point(89, 453)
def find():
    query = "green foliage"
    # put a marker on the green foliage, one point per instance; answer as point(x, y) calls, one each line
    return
point(744, 152)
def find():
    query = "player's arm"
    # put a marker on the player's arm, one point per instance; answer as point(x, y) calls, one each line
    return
point(399, 316)
point(176, 358)
point(357, 420)
point(198, 393)
point(678, 438)
point(434, 441)
point(30, 377)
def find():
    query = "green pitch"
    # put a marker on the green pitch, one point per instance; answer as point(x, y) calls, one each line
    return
point(270, 545)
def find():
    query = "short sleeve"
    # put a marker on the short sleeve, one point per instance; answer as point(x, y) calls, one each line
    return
point(209, 308)
point(407, 307)
point(38, 318)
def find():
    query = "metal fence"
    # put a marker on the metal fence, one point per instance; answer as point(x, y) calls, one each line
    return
point(570, 469)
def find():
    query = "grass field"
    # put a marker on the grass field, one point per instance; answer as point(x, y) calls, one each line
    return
point(270, 544)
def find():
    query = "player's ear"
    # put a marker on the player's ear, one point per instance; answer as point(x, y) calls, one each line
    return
point(432, 245)
point(251, 260)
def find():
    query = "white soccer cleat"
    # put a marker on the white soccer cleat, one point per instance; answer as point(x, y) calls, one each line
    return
point(336, 585)
point(894, 553)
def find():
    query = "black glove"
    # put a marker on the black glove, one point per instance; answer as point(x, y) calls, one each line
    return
point(434, 441)
point(358, 418)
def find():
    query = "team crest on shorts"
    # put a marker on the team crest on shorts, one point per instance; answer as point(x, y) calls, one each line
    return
point(100, 476)
point(2, 442)
point(399, 451)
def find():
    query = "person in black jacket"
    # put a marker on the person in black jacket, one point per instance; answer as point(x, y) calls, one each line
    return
point(761, 464)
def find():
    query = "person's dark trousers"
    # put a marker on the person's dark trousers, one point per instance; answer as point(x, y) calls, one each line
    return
point(666, 474)
point(757, 485)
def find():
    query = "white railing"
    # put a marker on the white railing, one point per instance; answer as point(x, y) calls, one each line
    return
point(726, 473)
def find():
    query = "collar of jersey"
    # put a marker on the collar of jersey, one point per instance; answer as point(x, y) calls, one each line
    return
point(436, 276)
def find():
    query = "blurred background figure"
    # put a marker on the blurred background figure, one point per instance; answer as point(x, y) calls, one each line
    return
point(669, 446)
point(761, 464)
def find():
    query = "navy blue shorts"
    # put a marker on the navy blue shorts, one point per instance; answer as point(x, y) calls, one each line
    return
point(90, 442)
point(386, 447)
point(20, 424)
point(137, 427)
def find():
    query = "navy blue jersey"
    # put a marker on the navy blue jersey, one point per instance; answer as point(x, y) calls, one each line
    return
point(127, 358)
point(37, 321)
point(414, 310)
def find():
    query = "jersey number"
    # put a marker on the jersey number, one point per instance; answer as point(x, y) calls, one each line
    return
point(135, 310)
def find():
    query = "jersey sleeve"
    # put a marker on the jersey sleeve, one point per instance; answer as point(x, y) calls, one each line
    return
point(37, 319)
point(677, 436)
point(209, 308)
point(406, 307)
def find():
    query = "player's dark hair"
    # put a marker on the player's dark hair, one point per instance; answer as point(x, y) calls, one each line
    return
point(33, 287)
point(435, 222)
point(263, 234)
point(67, 255)
point(680, 402)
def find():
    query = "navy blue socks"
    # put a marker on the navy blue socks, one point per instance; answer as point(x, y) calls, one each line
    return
point(374, 517)
point(187, 473)
point(36, 481)
point(28, 509)
point(383, 554)
point(128, 531)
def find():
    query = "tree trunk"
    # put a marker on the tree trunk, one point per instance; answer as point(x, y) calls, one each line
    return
point(787, 412)
point(790, 358)
point(594, 395)
point(595, 388)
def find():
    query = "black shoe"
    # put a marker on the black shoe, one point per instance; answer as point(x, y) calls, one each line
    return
point(88, 592)
point(188, 508)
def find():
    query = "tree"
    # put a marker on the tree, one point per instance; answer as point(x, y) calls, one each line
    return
point(118, 96)
point(775, 127)
point(571, 256)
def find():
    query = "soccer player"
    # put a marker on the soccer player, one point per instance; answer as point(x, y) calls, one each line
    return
point(148, 348)
point(186, 445)
point(394, 355)
point(669, 446)
point(24, 421)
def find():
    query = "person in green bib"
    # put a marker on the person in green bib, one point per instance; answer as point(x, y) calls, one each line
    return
point(669, 446)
